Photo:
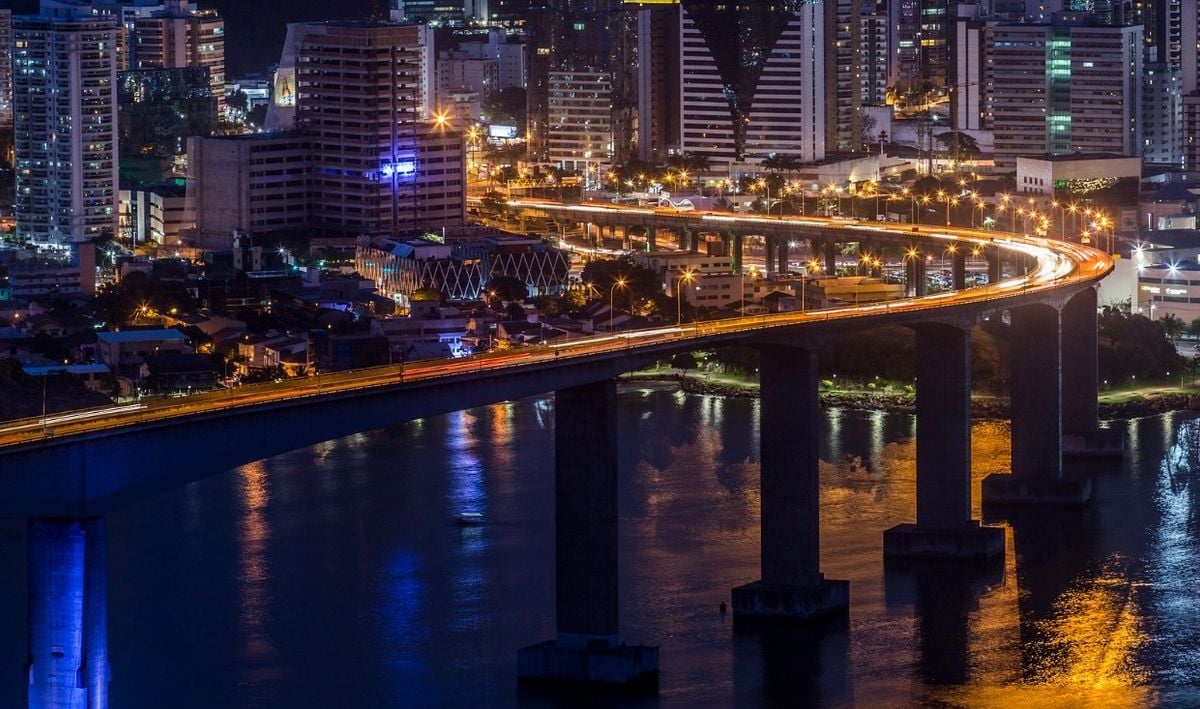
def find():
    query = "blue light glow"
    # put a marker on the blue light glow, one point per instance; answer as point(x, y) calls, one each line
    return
point(404, 168)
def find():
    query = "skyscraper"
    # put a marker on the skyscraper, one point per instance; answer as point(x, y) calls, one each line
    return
point(178, 36)
point(658, 81)
point(921, 38)
point(432, 12)
point(971, 69)
point(752, 82)
point(6, 46)
point(858, 74)
point(580, 125)
point(1162, 116)
point(359, 97)
point(64, 99)
point(1066, 87)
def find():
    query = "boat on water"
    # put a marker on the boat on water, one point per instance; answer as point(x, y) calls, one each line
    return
point(469, 519)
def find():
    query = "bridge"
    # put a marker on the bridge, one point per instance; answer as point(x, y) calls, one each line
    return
point(65, 473)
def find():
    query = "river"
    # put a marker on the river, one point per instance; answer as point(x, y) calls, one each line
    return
point(334, 575)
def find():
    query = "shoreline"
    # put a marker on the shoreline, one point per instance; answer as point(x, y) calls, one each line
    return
point(982, 407)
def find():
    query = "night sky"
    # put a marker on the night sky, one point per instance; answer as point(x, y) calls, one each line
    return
point(254, 29)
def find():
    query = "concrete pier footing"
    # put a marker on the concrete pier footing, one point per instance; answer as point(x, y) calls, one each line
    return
point(1003, 489)
point(760, 599)
point(1101, 443)
point(594, 663)
point(969, 542)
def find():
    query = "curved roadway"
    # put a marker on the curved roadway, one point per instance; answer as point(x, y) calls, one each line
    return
point(1061, 266)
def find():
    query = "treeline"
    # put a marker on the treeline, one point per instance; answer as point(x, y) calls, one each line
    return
point(1132, 348)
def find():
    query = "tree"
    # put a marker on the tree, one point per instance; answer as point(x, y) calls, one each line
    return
point(238, 101)
point(508, 288)
point(958, 145)
point(1134, 345)
point(642, 285)
point(427, 295)
point(1173, 325)
point(506, 107)
point(684, 361)
point(515, 312)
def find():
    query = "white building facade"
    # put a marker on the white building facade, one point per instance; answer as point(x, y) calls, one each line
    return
point(65, 130)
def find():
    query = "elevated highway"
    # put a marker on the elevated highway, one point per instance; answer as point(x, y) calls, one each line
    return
point(108, 452)
point(66, 472)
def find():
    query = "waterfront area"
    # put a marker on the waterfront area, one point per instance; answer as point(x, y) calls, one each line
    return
point(231, 591)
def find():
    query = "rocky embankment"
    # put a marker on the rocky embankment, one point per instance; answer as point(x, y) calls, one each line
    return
point(981, 407)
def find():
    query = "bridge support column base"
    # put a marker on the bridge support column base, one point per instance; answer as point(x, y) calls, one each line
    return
point(1003, 489)
point(597, 662)
point(1101, 443)
point(760, 599)
point(970, 542)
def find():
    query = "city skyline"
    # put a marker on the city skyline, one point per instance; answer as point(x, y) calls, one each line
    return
point(505, 352)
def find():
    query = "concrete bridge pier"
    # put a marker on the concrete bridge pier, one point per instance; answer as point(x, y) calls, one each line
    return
point(1082, 435)
point(734, 243)
point(651, 238)
point(792, 585)
point(958, 268)
point(769, 247)
point(68, 621)
point(914, 275)
point(784, 254)
point(995, 264)
point(1036, 405)
point(587, 648)
point(944, 527)
point(830, 249)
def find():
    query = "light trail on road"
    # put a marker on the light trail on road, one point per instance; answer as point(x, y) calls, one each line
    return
point(1059, 264)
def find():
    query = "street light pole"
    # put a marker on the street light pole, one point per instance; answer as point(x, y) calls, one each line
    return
point(45, 376)
point(620, 282)
point(684, 276)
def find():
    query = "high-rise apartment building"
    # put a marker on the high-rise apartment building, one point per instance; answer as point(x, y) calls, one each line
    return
point(658, 81)
point(1066, 88)
point(971, 70)
point(1191, 131)
point(752, 82)
point(1162, 26)
point(580, 128)
point(1162, 116)
point(65, 129)
point(568, 35)
point(6, 46)
point(359, 97)
point(178, 36)
point(510, 13)
point(432, 12)
point(858, 74)
point(921, 36)
point(509, 55)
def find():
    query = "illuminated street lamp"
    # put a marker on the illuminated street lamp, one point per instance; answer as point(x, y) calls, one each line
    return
point(813, 266)
point(684, 277)
point(619, 283)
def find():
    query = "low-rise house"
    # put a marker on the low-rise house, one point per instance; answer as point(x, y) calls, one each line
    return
point(176, 372)
point(126, 350)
